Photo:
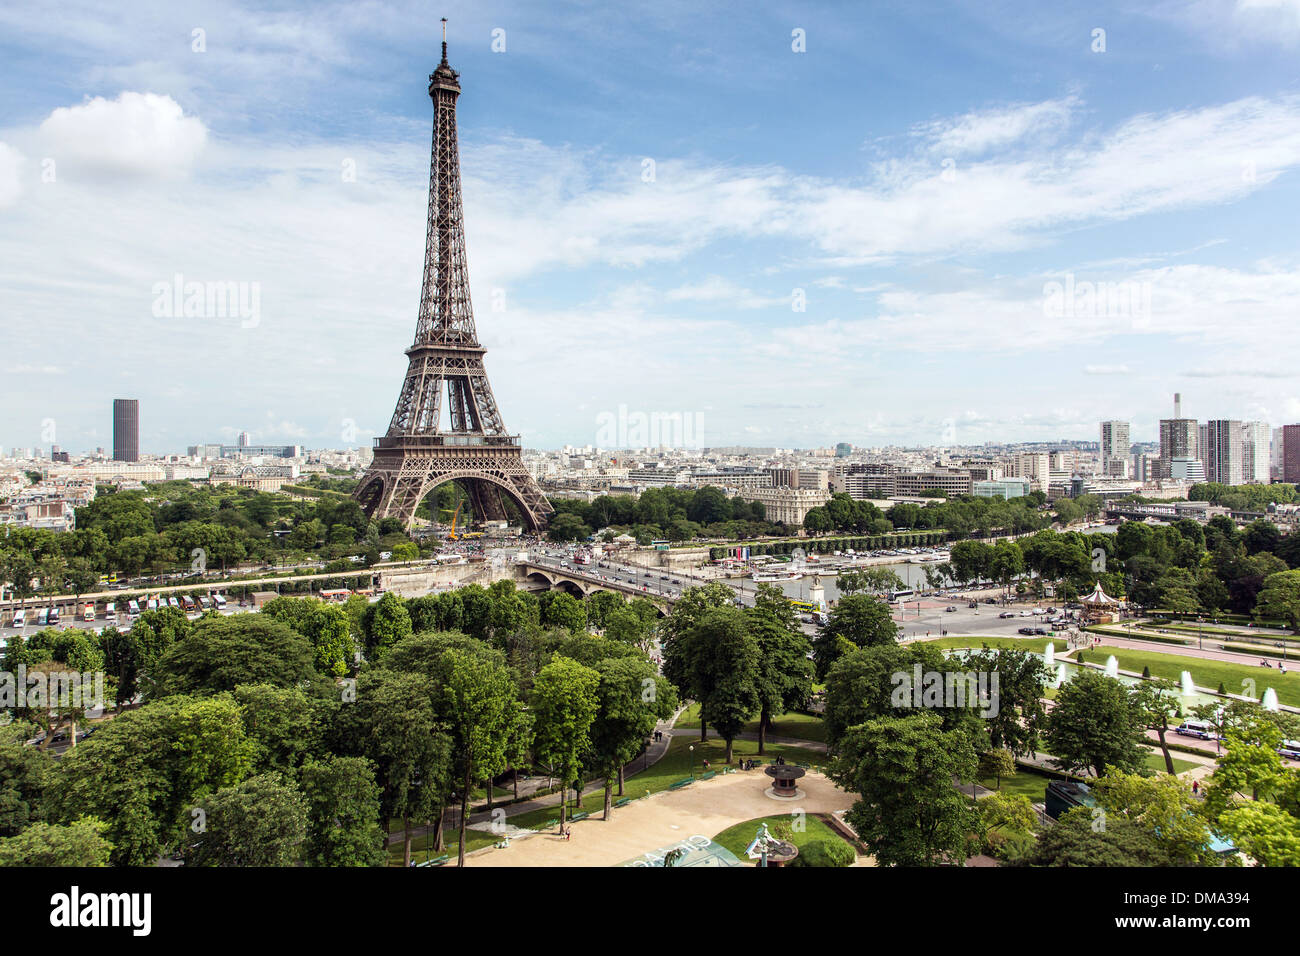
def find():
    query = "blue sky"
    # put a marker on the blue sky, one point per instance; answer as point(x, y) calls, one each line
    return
point(918, 177)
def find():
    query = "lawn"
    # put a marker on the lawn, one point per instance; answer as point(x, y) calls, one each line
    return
point(1205, 673)
point(421, 843)
point(792, 724)
point(1029, 783)
point(736, 838)
point(1156, 761)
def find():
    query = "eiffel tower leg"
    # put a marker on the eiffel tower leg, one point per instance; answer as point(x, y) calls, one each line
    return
point(486, 498)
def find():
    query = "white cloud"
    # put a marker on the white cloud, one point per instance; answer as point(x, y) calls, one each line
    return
point(137, 134)
point(981, 131)
point(11, 161)
point(717, 290)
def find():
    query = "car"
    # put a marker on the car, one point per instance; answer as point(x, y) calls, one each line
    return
point(950, 609)
point(973, 604)
point(1006, 614)
point(1027, 630)
point(1040, 630)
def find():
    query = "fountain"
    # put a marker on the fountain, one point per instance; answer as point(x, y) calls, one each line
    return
point(1188, 686)
point(1269, 700)
point(784, 781)
point(1112, 666)
point(1049, 655)
point(1060, 674)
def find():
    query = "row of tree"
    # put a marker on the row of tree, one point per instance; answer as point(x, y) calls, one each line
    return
point(293, 734)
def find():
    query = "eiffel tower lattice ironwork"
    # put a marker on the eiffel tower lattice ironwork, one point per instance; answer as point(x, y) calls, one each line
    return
point(446, 362)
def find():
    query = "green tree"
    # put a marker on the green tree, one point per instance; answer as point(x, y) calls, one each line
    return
point(1157, 703)
point(220, 653)
point(565, 611)
point(80, 843)
point(389, 623)
point(1279, 599)
point(861, 621)
point(724, 671)
point(394, 725)
point(1265, 832)
point(908, 813)
point(343, 822)
point(1080, 839)
point(565, 703)
point(1162, 804)
point(481, 707)
point(1095, 725)
point(630, 699)
point(784, 673)
point(260, 822)
point(1022, 682)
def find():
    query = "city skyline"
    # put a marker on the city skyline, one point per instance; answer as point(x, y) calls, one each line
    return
point(944, 233)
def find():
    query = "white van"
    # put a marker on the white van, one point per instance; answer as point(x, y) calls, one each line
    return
point(1195, 728)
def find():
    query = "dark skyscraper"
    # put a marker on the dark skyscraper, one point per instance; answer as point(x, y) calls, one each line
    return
point(126, 429)
point(1291, 453)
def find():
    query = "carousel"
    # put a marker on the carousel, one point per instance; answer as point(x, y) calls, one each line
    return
point(1098, 607)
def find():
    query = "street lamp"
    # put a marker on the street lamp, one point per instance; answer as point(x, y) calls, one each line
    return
point(691, 748)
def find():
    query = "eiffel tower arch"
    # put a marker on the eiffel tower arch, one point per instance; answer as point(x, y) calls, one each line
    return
point(446, 370)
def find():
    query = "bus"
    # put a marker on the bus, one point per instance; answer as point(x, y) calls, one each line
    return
point(88, 612)
point(42, 616)
point(133, 609)
point(54, 616)
point(805, 607)
point(904, 594)
point(110, 614)
point(220, 601)
point(335, 595)
point(188, 604)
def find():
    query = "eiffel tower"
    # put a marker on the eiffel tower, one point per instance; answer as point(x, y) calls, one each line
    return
point(446, 360)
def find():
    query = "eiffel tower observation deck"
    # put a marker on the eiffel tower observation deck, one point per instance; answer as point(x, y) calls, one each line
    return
point(469, 444)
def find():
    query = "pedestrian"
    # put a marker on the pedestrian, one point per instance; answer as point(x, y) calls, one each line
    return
point(1196, 787)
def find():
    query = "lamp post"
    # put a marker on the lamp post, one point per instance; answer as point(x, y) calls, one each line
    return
point(691, 748)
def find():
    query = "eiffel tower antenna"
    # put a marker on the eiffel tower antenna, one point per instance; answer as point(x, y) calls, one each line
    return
point(446, 364)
